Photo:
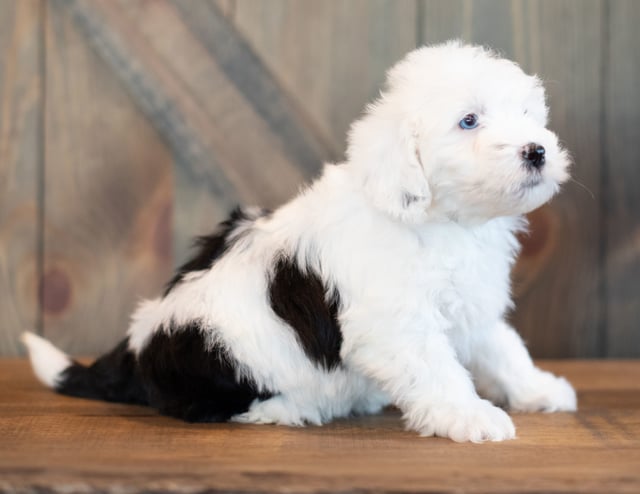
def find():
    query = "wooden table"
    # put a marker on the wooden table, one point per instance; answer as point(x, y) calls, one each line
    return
point(56, 444)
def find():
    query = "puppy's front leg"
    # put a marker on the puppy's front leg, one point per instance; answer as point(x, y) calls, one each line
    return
point(504, 373)
point(421, 373)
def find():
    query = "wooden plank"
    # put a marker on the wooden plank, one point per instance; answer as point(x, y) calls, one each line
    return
point(203, 194)
point(481, 21)
point(217, 90)
point(260, 140)
point(331, 56)
point(50, 443)
point(557, 278)
point(154, 89)
point(226, 7)
point(559, 311)
point(621, 215)
point(21, 95)
point(108, 197)
point(300, 140)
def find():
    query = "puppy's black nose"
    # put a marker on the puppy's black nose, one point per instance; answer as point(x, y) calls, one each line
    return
point(533, 155)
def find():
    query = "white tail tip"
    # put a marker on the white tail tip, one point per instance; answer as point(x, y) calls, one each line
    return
point(47, 361)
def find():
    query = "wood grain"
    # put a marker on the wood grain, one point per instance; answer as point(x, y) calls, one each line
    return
point(50, 443)
point(107, 197)
point(557, 278)
point(122, 201)
point(276, 150)
point(21, 95)
point(559, 313)
point(330, 55)
point(621, 204)
point(202, 192)
point(226, 7)
point(299, 140)
point(200, 101)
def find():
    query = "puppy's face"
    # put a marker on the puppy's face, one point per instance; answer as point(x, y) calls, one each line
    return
point(476, 126)
point(483, 140)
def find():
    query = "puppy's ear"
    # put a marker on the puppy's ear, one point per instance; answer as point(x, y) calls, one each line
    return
point(385, 157)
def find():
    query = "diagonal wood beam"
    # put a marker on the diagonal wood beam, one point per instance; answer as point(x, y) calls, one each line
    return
point(252, 144)
point(178, 120)
point(303, 141)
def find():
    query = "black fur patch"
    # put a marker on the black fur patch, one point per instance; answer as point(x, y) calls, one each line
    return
point(112, 377)
point(301, 300)
point(210, 248)
point(185, 379)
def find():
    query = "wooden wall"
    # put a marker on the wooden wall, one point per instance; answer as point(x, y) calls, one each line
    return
point(127, 126)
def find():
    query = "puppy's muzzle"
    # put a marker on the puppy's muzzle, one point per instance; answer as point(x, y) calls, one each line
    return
point(533, 155)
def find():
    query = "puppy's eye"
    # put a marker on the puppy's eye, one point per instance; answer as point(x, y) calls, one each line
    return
point(470, 121)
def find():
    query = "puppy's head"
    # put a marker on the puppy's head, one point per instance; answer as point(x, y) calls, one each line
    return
point(458, 133)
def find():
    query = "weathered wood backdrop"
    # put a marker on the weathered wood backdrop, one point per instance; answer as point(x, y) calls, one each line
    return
point(127, 126)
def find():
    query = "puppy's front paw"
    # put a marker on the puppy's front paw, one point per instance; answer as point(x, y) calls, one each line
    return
point(477, 421)
point(547, 393)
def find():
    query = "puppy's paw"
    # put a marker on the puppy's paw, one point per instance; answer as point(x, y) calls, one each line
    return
point(277, 410)
point(477, 421)
point(547, 393)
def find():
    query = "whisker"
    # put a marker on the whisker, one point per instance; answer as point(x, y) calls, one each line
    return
point(593, 196)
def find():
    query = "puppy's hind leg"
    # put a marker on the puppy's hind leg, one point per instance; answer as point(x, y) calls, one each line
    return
point(278, 410)
point(187, 378)
point(504, 373)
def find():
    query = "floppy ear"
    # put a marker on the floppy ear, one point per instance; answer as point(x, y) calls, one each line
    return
point(386, 159)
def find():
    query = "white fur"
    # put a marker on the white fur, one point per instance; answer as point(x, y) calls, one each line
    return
point(416, 233)
point(47, 361)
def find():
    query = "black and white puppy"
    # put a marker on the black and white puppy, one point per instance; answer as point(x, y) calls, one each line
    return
point(386, 281)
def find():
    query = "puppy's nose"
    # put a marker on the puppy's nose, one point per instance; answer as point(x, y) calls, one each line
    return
point(533, 155)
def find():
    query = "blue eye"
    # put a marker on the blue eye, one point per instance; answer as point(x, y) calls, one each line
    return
point(470, 121)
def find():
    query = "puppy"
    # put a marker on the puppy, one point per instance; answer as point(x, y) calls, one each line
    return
point(386, 281)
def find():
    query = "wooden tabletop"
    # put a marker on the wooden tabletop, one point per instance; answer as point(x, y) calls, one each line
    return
point(56, 444)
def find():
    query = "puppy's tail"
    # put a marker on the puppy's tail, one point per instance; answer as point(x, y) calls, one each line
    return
point(112, 377)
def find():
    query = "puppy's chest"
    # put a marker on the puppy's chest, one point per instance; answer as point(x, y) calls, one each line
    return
point(459, 276)
point(466, 276)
